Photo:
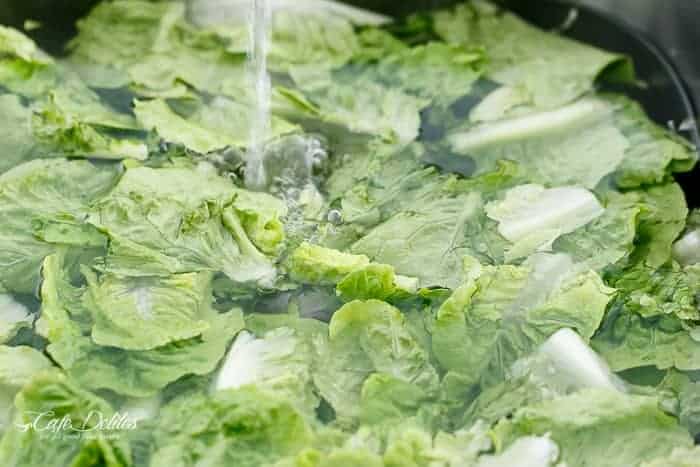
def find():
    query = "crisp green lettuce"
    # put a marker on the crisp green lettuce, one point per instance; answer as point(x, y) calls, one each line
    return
point(366, 338)
point(551, 69)
point(319, 265)
point(53, 397)
point(142, 313)
point(600, 427)
point(245, 427)
point(41, 195)
point(178, 231)
point(14, 316)
point(279, 362)
point(502, 313)
point(17, 367)
point(66, 321)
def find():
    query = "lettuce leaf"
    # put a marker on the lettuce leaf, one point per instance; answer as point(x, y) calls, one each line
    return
point(552, 70)
point(365, 338)
point(599, 426)
point(40, 195)
point(178, 230)
point(17, 367)
point(66, 321)
point(279, 362)
point(245, 427)
point(502, 313)
point(51, 392)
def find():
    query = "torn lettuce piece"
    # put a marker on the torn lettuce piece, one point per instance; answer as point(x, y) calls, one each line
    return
point(143, 313)
point(679, 457)
point(528, 451)
point(552, 147)
point(626, 340)
point(310, 39)
point(16, 137)
point(430, 241)
point(654, 152)
point(143, 373)
point(66, 322)
point(599, 426)
point(221, 123)
point(412, 445)
point(437, 71)
point(75, 124)
point(13, 317)
point(159, 52)
point(314, 264)
point(662, 214)
point(203, 13)
point(379, 111)
point(377, 281)
point(36, 194)
point(553, 70)
point(651, 292)
point(262, 217)
point(367, 337)
point(177, 230)
point(245, 427)
point(121, 32)
point(502, 313)
point(279, 362)
point(17, 367)
point(58, 398)
point(62, 306)
point(24, 68)
point(156, 115)
point(386, 399)
point(685, 399)
point(561, 365)
point(532, 216)
point(575, 364)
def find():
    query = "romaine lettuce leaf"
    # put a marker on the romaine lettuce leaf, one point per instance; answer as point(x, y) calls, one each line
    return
point(679, 457)
point(380, 111)
point(279, 362)
point(315, 264)
point(58, 398)
point(14, 316)
point(177, 231)
point(438, 71)
point(551, 69)
point(16, 137)
point(365, 338)
point(533, 217)
point(626, 340)
point(45, 194)
point(501, 313)
point(66, 321)
point(143, 313)
point(17, 367)
point(245, 427)
point(599, 427)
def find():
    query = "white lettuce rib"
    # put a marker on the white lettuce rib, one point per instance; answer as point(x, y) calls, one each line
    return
point(687, 250)
point(528, 209)
point(541, 123)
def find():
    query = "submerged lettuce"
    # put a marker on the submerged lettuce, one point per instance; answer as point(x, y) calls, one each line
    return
point(464, 256)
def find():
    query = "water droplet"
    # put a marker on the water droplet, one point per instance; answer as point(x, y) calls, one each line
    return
point(335, 217)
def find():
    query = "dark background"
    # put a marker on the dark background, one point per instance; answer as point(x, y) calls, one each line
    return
point(662, 36)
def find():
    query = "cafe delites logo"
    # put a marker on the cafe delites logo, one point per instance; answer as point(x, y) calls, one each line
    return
point(51, 425)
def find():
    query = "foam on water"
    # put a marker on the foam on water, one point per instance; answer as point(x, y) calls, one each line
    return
point(259, 43)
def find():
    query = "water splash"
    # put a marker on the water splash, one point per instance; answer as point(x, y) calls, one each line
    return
point(259, 43)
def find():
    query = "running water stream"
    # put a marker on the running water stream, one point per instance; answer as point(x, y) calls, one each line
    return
point(260, 119)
